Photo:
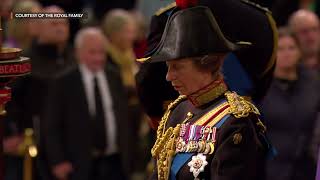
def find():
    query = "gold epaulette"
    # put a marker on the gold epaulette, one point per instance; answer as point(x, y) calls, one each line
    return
point(264, 9)
point(166, 8)
point(240, 107)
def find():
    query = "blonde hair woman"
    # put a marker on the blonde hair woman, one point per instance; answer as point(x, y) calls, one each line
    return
point(120, 28)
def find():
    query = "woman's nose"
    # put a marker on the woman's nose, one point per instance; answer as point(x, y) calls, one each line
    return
point(169, 75)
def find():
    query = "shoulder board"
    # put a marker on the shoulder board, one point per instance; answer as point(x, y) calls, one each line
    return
point(240, 107)
point(264, 9)
point(165, 9)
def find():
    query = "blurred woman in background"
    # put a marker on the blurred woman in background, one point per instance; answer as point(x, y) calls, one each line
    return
point(120, 27)
point(290, 109)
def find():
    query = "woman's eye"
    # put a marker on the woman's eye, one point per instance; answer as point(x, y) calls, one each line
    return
point(179, 66)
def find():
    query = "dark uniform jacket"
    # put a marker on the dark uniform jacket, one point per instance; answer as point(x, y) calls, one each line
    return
point(239, 151)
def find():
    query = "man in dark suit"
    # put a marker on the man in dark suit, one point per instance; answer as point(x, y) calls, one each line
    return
point(86, 118)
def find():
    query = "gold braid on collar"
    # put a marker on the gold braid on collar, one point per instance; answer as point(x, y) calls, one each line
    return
point(208, 93)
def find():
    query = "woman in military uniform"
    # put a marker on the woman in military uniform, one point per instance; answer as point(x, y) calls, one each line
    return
point(248, 71)
point(208, 132)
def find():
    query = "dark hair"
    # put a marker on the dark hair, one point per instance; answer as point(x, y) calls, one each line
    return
point(211, 62)
point(285, 32)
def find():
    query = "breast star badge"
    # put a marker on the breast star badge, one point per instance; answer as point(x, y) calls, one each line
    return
point(197, 164)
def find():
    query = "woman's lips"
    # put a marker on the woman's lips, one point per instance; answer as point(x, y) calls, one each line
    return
point(176, 87)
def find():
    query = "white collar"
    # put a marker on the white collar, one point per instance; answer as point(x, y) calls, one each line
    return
point(88, 73)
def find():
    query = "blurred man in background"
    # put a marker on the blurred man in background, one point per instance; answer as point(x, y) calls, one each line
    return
point(86, 119)
point(305, 26)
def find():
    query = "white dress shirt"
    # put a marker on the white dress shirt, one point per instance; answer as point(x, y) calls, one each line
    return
point(110, 122)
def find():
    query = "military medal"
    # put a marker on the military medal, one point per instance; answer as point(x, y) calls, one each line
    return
point(213, 140)
point(197, 165)
point(206, 132)
point(201, 146)
point(187, 133)
point(214, 130)
point(196, 138)
point(191, 143)
point(183, 130)
point(207, 149)
point(211, 145)
point(193, 146)
point(181, 145)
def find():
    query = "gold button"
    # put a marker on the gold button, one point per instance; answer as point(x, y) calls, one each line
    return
point(237, 138)
point(189, 115)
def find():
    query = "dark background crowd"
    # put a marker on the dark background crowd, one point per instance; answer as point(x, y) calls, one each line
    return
point(83, 71)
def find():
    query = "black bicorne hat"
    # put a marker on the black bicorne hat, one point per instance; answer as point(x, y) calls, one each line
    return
point(192, 32)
